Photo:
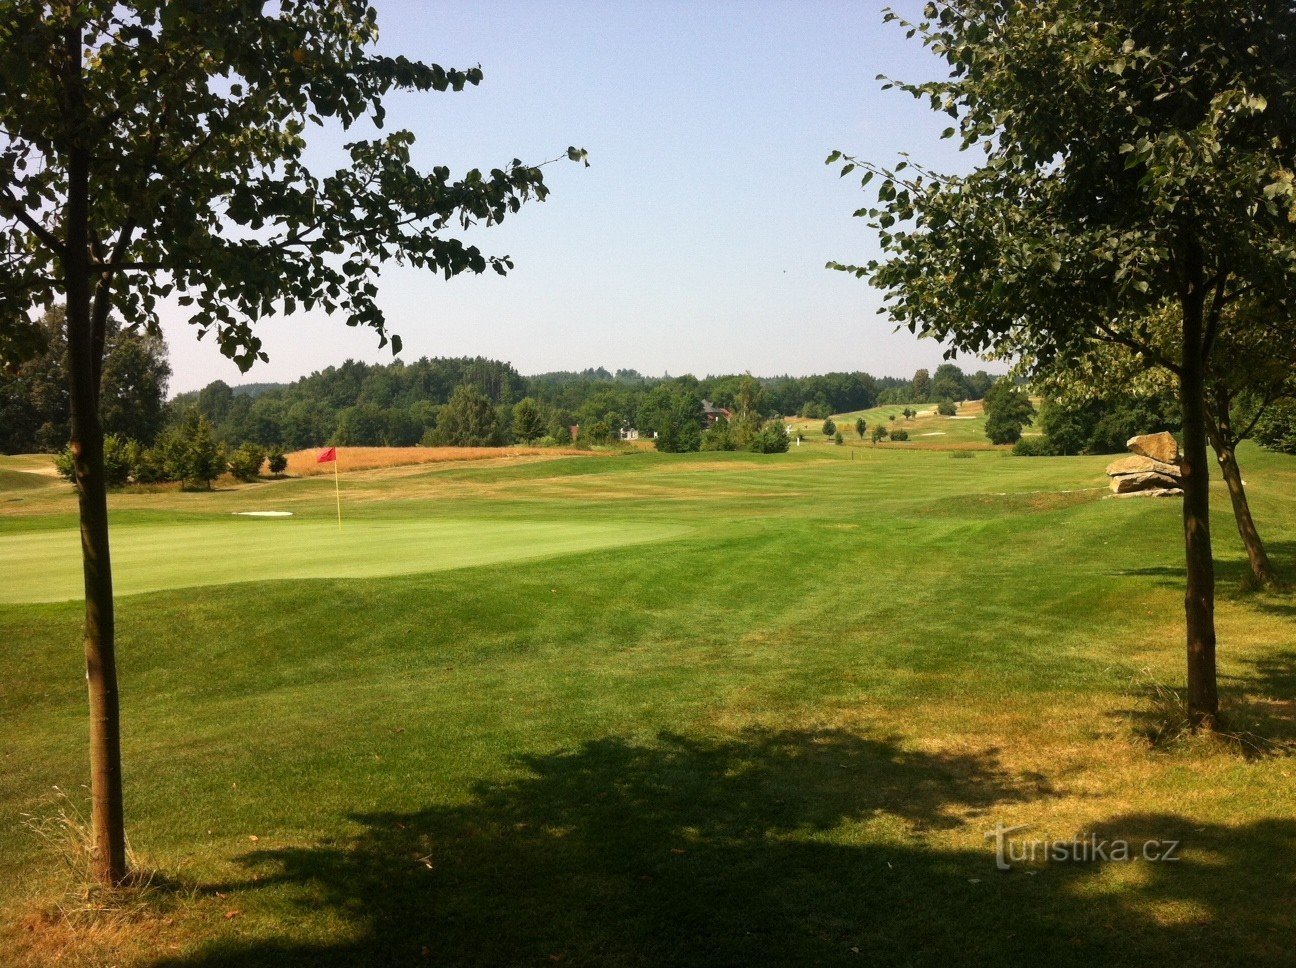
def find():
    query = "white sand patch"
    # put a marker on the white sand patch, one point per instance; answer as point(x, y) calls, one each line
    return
point(960, 418)
point(264, 514)
point(934, 433)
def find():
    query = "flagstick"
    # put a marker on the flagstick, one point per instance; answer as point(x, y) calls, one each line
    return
point(337, 489)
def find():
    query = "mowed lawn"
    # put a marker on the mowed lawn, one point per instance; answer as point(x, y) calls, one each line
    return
point(635, 710)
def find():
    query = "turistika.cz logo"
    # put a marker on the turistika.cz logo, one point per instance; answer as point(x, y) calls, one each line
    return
point(1012, 849)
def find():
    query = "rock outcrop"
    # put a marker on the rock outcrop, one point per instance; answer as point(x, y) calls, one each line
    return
point(1153, 470)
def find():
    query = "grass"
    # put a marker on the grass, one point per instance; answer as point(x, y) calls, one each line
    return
point(775, 731)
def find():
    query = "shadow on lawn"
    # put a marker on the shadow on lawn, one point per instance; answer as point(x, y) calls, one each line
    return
point(692, 852)
point(1233, 577)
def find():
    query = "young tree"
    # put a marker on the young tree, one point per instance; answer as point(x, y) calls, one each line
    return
point(829, 428)
point(156, 149)
point(528, 420)
point(1134, 154)
point(1008, 410)
point(860, 427)
point(879, 433)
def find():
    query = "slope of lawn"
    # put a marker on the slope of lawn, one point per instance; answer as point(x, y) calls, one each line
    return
point(776, 733)
point(927, 431)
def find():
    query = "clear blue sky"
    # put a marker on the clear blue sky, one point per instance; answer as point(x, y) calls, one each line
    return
point(695, 242)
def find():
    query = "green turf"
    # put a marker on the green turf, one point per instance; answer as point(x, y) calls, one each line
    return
point(774, 731)
point(46, 565)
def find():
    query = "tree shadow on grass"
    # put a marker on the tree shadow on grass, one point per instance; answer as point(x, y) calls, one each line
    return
point(1234, 580)
point(774, 848)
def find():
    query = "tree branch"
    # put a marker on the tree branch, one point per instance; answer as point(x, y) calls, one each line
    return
point(12, 207)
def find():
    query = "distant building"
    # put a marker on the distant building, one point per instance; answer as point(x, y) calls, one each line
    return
point(713, 414)
point(629, 433)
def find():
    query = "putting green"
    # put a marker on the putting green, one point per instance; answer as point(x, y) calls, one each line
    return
point(45, 566)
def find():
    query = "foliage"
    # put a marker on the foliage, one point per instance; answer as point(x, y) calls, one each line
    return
point(1035, 446)
point(528, 420)
point(276, 460)
point(35, 409)
point(837, 438)
point(861, 426)
point(1008, 409)
point(829, 428)
point(946, 408)
point(771, 439)
point(899, 433)
point(246, 460)
point(188, 452)
point(679, 424)
point(719, 436)
point(468, 420)
point(1277, 429)
point(879, 433)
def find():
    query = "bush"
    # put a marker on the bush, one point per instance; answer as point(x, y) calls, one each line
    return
point(719, 436)
point(879, 433)
point(189, 453)
point(117, 465)
point(245, 462)
point(837, 438)
point(899, 434)
point(65, 465)
point(1034, 447)
point(861, 427)
point(771, 439)
point(1277, 428)
point(277, 460)
point(946, 408)
point(1008, 409)
point(829, 428)
point(146, 464)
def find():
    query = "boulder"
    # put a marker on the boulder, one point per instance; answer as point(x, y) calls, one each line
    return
point(1161, 447)
point(1137, 464)
point(1154, 492)
point(1143, 482)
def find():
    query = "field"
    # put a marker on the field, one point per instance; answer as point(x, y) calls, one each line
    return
point(639, 709)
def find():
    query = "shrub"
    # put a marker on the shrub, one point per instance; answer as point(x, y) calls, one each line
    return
point(879, 433)
point(117, 465)
point(1277, 428)
point(245, 462)
point(277, 460)
point(837, 438)
point(829, 428)
point(1034, 447)
point(719, 436)
point(946, 408)
point(860, 427)
point(64, 464)
point(771, 439)
point(899, 434)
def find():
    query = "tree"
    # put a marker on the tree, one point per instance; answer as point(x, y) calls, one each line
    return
point(921, 387)
point(468, 420)
point(277, 461)
point(680, 427)
point(1134, 155)
point(879, 433)
point(829, 428)
point(189, 453)
point(946, 408)
point(245, 462)
point(1008, 409)
point(528, 420)
point(772, 439)
point(860, 427)
point(1109, 395)
point(156, 149)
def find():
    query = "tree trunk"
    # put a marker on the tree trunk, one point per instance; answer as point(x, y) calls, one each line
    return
point(1199, 599)
point(106, 815)
point(1262, 568)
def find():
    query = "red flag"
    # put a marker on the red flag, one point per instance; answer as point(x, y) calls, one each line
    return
point(327, 456)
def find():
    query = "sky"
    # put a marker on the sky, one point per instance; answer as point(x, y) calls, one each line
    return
point(697, 239)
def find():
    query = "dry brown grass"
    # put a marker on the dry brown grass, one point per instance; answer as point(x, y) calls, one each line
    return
point(302, 463)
